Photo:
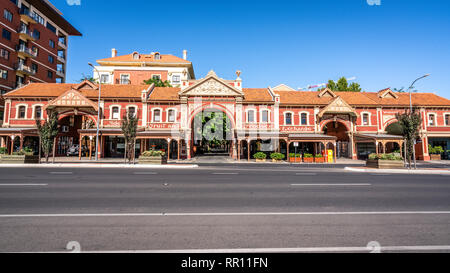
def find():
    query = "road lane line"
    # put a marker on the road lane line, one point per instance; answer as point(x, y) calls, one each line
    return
point(225, 173)
point(312, 174)
point(145, 173)
point(19, 185)
point(61, 173)
point(270, 250)
point(227, 214)
point(344, 185)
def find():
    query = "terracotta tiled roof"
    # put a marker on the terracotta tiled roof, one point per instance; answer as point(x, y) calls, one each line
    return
point(53, 90)
point(362, 98)
point(165, 94)
point(257, 95)
point(146, 58)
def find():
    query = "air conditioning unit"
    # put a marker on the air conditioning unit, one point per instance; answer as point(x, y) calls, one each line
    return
point(65, 129)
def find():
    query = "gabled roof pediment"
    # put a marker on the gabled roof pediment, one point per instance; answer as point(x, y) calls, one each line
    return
point(327, 93)
point(283, 87)
point(72, 98)
point(387, 93)
point(211, 85)
point(86, 84)
point(338, 106)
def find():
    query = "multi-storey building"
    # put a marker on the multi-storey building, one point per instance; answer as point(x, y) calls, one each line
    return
point(135, 68)
point(33, 44)
point(351, 124)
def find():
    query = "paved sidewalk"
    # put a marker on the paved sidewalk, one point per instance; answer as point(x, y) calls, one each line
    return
point(399, 171)
point(100, 165)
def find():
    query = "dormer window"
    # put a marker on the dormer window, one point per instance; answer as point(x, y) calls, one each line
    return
point(135, 56)
point(157, 56)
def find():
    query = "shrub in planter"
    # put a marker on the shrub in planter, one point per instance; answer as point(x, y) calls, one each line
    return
point(385, 161)
point(435, 152)
point(3, 150)
point(153, 157)
point(260, 157)
point(308, 158)
point(276, 157)
point(319, 159)
point(21, 157)
point(297, 158)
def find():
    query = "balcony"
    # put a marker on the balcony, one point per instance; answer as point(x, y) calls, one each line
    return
point(26, 34)
point(24, 70)
point(61, 59)
point(25, 52)
point(62, 44)
point(60, 72)
point(27, 16)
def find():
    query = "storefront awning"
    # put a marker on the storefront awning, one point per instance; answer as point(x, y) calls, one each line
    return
point(18, 131)
point(311, 137)
point(375, 137)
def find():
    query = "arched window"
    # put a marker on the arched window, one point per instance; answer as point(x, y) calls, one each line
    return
point(171, 115)
point(22, 112)
point(156, 115)
point(265, 116)
point(432, 120)
point(251, 116)
point(157, 56)
point(365, 119)
point(447, 119)
point(303, 119)
point(115, 113)
point(38, 112)
point(288, 118)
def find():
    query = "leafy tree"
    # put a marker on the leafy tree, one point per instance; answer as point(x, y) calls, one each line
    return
point(410, 123)
point(47, 133)
point(86, 77)
point(342, 85)
point(129, 130)
point(158, 82)
point(212, 128)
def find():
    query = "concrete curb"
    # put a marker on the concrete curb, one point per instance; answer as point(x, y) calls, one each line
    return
point(396, 171)
point(87, 165)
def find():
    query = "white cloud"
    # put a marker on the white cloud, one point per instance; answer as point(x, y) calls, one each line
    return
point(74, 2)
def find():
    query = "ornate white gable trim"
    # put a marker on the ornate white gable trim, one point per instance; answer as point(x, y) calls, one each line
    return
point(211, 85)
point(338, 106)
point(72, 98)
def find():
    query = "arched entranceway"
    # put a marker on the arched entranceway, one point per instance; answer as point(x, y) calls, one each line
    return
point(340, 131)
point(212, 133)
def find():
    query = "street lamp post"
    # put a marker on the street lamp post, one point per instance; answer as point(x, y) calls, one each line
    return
point(98, 111)
point(411, 110)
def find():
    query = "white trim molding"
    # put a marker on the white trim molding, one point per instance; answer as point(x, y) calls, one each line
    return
point(175, 114)
point(33, 114)
point(160, 115)
point(111, 111)
point(435, 119)
point(17, 110)
point(292, 118)
point(369, 119)
point(307, 118)
point(254, 115)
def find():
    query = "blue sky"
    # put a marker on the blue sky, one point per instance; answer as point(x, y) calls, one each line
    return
point(298, 42)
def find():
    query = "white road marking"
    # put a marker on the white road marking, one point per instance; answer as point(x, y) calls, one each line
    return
point(306, 174)
point(225, 173)
point(145, 173)
point(345, 185)
point(20, 185)
point(61, 173)
point(226, 214)
point(275, 250)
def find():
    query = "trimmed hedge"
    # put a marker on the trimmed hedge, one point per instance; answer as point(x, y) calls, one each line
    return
point(277, 156)
point(260, 155)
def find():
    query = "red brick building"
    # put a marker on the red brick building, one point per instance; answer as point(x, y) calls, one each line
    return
point(260, 119)
point(33, 45)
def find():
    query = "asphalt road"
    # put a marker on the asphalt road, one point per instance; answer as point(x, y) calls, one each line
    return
point(222, 208)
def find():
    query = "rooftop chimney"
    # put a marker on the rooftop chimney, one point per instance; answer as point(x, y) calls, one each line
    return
point(114, 52)
point(185, 54)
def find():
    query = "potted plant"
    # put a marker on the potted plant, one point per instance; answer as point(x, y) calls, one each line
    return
point(435, 152)
point(295, 158)
point(319, 159)
point(260, 157)
point(153, 157)
point(308, 158)
point(277, 157)
point(24, 156)
point(385, 161)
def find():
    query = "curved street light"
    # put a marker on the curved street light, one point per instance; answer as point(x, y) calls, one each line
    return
point(98, 111)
